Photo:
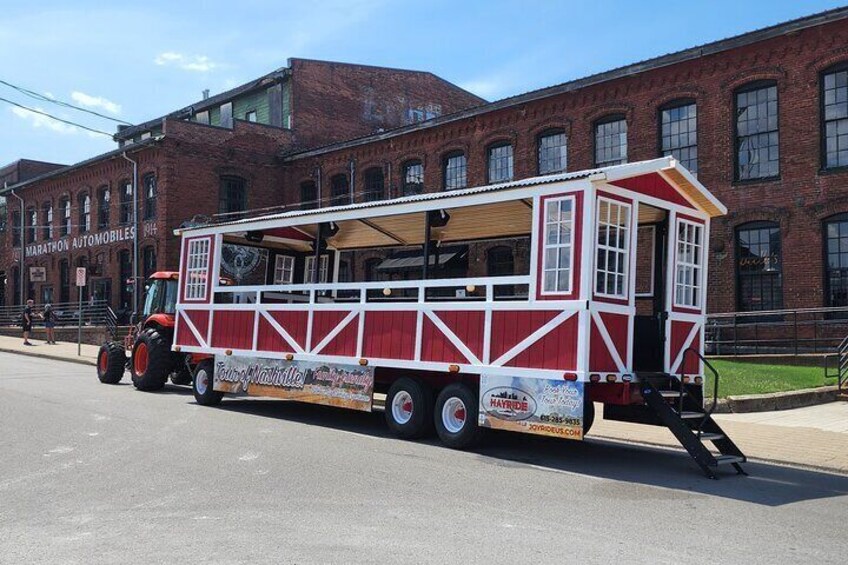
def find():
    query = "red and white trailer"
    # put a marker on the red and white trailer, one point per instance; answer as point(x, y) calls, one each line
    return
point(609, 307)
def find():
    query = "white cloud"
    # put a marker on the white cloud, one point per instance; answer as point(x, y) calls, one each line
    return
point(196, 63)
point(89, 101)
point(40, 121)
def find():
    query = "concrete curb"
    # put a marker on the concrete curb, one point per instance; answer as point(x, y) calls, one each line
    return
point(776, 400)
point(77, 360)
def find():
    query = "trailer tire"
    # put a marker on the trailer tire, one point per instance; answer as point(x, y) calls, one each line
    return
point(456, 417)
point(151, 361)
point(111, 363)
point(204, 394)
point(588, 415)
point(181, 374)
point(409, 408)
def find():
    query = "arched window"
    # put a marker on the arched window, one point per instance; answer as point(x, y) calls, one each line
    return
point(611, 141)
point(16, 228)
point(500, 159)
point(126, 189)
point(757, 135)
point(65, 211)
point(413, 178)
point(150, 191)
point(232, 195)
point(148, 261)
point(374, 184)
point(64, 281)
point(308, 195)
point(834, 127)
point(32, 224)
point(339, 190)
point(125, 275)
point(759, 267)
point(104, 198)
point(47, 220)
point(455, 170)
point(16, 284)
point(84, 203)
point(836, 266)
point(679, 132)
point(553, 152)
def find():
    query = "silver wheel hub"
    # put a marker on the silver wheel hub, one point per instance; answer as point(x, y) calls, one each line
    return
point(454, 415)
point(402, 407)
point(201, 382)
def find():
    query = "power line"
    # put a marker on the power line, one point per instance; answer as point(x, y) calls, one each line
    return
point(52, 117)
point(36, 95)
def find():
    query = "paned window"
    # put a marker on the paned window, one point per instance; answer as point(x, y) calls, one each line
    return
point(284, 269)
point(456, 171)
point(125, 272)
point(339, 191)
point(32, 224)
point(232, 196)
point(197, 269)
point(679, 133)
point(611, 141)
point(16, 229)
point(689, 261)
point(65, 209)
point(757, 139)
point(500, 163)
point(374, 185)
point(835, 117)
point(413, 178)
point(759, 267)
point(150, 190)
point(104, 199)
point(836, 251)
point(613, 248)
point(553, 153)
point(126, 202)
point(47, 221)
point(309, 270)
point(64, 281)
point(148, 261)
point(84, 202)
point(308, 195)
point(557, 261)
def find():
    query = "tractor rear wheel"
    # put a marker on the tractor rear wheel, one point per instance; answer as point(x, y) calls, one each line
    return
point(111, 363)
point(151, 362)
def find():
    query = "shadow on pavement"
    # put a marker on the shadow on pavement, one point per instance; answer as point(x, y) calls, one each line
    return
point(767, 484)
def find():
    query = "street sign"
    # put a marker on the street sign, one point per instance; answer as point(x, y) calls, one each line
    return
point(38, 274)
point(80, 276)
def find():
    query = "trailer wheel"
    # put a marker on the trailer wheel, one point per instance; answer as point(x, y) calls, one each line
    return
point(456, 417)
point(204, 394)
point(151, 361)
point(588, 415)
point(111, 363)
point(409, 408)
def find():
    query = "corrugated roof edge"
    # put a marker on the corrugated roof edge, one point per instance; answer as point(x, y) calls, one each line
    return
point(690, 53)
point(70, 168)
point(547, 179)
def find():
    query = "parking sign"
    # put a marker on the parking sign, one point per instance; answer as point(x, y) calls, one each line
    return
point(80, 276)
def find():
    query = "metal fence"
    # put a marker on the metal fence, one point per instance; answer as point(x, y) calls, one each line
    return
point(800, 331)
point(67, 314)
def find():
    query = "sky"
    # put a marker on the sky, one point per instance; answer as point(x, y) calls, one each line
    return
point(138, 61)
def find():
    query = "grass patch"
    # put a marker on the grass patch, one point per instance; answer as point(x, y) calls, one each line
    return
point(737, 378)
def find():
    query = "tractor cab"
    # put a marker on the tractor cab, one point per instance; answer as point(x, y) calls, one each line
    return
point(161, 294)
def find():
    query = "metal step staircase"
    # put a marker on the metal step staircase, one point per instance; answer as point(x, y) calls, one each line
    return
point(680, 407)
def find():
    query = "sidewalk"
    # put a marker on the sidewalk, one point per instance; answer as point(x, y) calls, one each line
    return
point(815, 436)
point(62, 351)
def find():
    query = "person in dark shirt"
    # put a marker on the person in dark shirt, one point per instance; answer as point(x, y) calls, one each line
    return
point(49, 316)
point(26, 321)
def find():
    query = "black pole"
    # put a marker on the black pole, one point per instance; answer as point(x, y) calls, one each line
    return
point(425, 268)
point(318, 240)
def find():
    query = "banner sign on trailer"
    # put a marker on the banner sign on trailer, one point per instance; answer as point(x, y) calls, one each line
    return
point(545, 407)
point(345, 386)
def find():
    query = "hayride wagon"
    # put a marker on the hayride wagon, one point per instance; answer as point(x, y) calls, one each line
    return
point(514, 306)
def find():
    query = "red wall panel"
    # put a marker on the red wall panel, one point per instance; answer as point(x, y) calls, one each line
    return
point(389, 335)
point(233, 329)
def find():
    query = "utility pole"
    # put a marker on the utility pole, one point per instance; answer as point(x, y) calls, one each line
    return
point(135, 231)
point(21, 276)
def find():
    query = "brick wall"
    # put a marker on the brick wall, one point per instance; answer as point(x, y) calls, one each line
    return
point(798, 200)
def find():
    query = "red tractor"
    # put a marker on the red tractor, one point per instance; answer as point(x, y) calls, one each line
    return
point(151, 360)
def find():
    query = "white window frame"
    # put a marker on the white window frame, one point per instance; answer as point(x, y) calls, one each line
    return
point(627, 208)
point(284, 269)
point(653, 251)
point(197, 269)
point(558, 269)
point(696, 268)
point(309, 265)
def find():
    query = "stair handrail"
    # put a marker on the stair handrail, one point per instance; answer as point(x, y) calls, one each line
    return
point(842, 367)
point(708, 413)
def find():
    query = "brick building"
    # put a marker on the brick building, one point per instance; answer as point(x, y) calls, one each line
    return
point(219, 155)
point(762, 118)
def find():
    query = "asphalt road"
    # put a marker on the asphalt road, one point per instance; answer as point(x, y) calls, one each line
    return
point(91, 473)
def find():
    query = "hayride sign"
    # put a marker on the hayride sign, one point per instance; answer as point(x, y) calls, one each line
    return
point(545, 407)
point(344, 386)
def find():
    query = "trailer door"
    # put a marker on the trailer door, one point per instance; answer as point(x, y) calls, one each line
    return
point(651, 303)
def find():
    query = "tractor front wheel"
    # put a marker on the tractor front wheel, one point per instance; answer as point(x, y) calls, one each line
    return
point(111, 363)
point(151, 362)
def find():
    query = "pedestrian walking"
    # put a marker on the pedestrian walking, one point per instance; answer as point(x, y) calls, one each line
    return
point(26, 321)
point(49, 316)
